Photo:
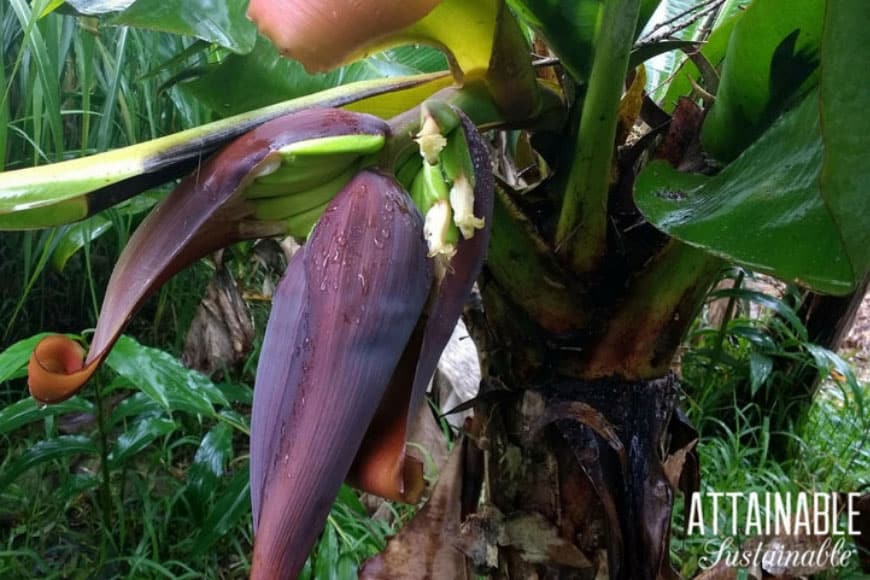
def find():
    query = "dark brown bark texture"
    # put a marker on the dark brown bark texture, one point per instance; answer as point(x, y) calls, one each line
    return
point(579, 479)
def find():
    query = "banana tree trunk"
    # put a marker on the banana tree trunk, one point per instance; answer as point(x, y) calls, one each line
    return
point(579, 474)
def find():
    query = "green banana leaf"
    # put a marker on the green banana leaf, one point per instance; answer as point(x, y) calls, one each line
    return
point(571, 27)
point(263, 77)
point(764, 210)
point(793, 204)
point(222, 22)
point(771, 61)
point(73, 190)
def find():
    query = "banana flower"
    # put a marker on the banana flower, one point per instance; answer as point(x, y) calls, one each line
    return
point(358, 319)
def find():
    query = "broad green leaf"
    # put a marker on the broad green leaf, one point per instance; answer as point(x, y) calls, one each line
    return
point(757, 337)
point(27, 411)
point(76, 236)
point(141, 404)
point(233, 504)
point(348, 497)
point(827, 361)
point(760, 367)
point(96, 7)
point(263, 77)
point(164, 378)
point(794, 204)
point(346, 567)
point(222, 22)
point(326, 561)
point(13, 360)
point(143, 433)
point(71, 190)
point(75, 485)
point(214, 452)
point(236, 420)
point(764, 210)
point(845, 99)
point(45, 451)
point(571, 27)
point(772, 58)
point(237, 393)
point(138, 404)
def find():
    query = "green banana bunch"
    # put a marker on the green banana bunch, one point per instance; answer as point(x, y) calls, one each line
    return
point(296, 183)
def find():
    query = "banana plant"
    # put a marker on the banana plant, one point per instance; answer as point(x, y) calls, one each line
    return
point(589, 276)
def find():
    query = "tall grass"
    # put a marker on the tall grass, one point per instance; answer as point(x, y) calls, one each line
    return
point(71, 88)
point(829, 446)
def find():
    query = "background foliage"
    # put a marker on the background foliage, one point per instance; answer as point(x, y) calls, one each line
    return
point(145, 473)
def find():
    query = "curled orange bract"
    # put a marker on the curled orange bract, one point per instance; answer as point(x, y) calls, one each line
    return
point(56, 370)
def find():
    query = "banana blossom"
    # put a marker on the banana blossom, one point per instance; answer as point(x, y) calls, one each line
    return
point(358, 320)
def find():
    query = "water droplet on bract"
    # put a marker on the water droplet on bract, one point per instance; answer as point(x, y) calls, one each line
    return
point(379, 243)
point(385, 233)
point(307, 340)
point(357, 320)
point(323, 285)
point(388, 206)
point(286, 459)
point(341, 240)
point(362, 280)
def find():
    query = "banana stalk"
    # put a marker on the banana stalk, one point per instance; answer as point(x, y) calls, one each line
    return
point(75, 189)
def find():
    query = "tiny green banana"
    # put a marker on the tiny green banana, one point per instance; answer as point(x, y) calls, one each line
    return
point(298, 175)
point(431, 193)
point(459, 170)
point(359, 144)
point(301, 166)
point(429, 186)
point(442, 113)
point(437, 119)
point(407, 171)
point(285, 206)
point(300, 225)
point(455, 158)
